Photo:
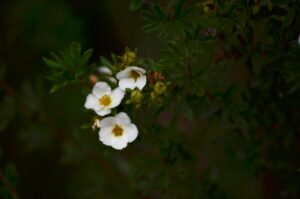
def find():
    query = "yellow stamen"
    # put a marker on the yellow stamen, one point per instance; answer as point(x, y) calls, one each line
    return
point(117, 131)
point(105, 100)
point(135, 75)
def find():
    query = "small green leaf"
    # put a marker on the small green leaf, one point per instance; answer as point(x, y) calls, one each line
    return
point(75, 49)
point(136, 5)
point(85, 126)
point(55, 87)
point(159, 12)
point(51, 63)
point(152, 27)
point(148, 16)
point(200, 91)
point(105, 62)
point(87, 55)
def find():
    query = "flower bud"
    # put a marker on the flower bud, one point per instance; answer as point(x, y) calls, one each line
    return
point(129, 57)
point(136, 96)
point(93, 79)
point(96, 123)
point(209, 6)
point(160, 88)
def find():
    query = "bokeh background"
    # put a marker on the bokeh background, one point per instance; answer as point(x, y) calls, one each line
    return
point(45, 154)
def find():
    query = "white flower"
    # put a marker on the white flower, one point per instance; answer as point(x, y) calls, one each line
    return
point(132, 77)
point(103, 99)
point(117, 131)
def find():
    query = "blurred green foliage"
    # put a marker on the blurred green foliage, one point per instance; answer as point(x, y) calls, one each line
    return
point(227, 127)
point(68, 66)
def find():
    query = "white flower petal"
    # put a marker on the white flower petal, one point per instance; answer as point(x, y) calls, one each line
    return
point(105, 135)
point(103, 112)
point(123, 74)
point(127, 83)
point(116, 96)
point(101, 88)
point(141, 82)
point(104, 70)
point(91, 102)
point(119, 142)
point(131, 132)
point(108, 121)
point(122, 119)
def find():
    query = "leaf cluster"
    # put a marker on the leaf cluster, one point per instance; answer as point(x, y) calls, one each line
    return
point(69, 66)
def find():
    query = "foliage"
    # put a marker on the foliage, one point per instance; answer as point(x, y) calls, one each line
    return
point(69, 66)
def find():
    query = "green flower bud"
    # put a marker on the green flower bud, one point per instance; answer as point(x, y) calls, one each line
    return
point(160, 88)
point(129, 57)
point(136, 96)
point(209, 6)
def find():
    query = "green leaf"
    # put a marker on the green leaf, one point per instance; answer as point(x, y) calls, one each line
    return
point(51, 63)
point(136, 5)
point(75, 49)
point(55, 87)
point(188, 112)
point(200, 91)
point(85, 126)
point(289, 17)
point(159, 12)
point(105, 62)
point(152, 27)
point(87, 55)
point(148, 16)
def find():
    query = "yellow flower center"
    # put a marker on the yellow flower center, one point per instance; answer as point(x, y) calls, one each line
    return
point(135, 75)
point(105, 100)
point(117, 131)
